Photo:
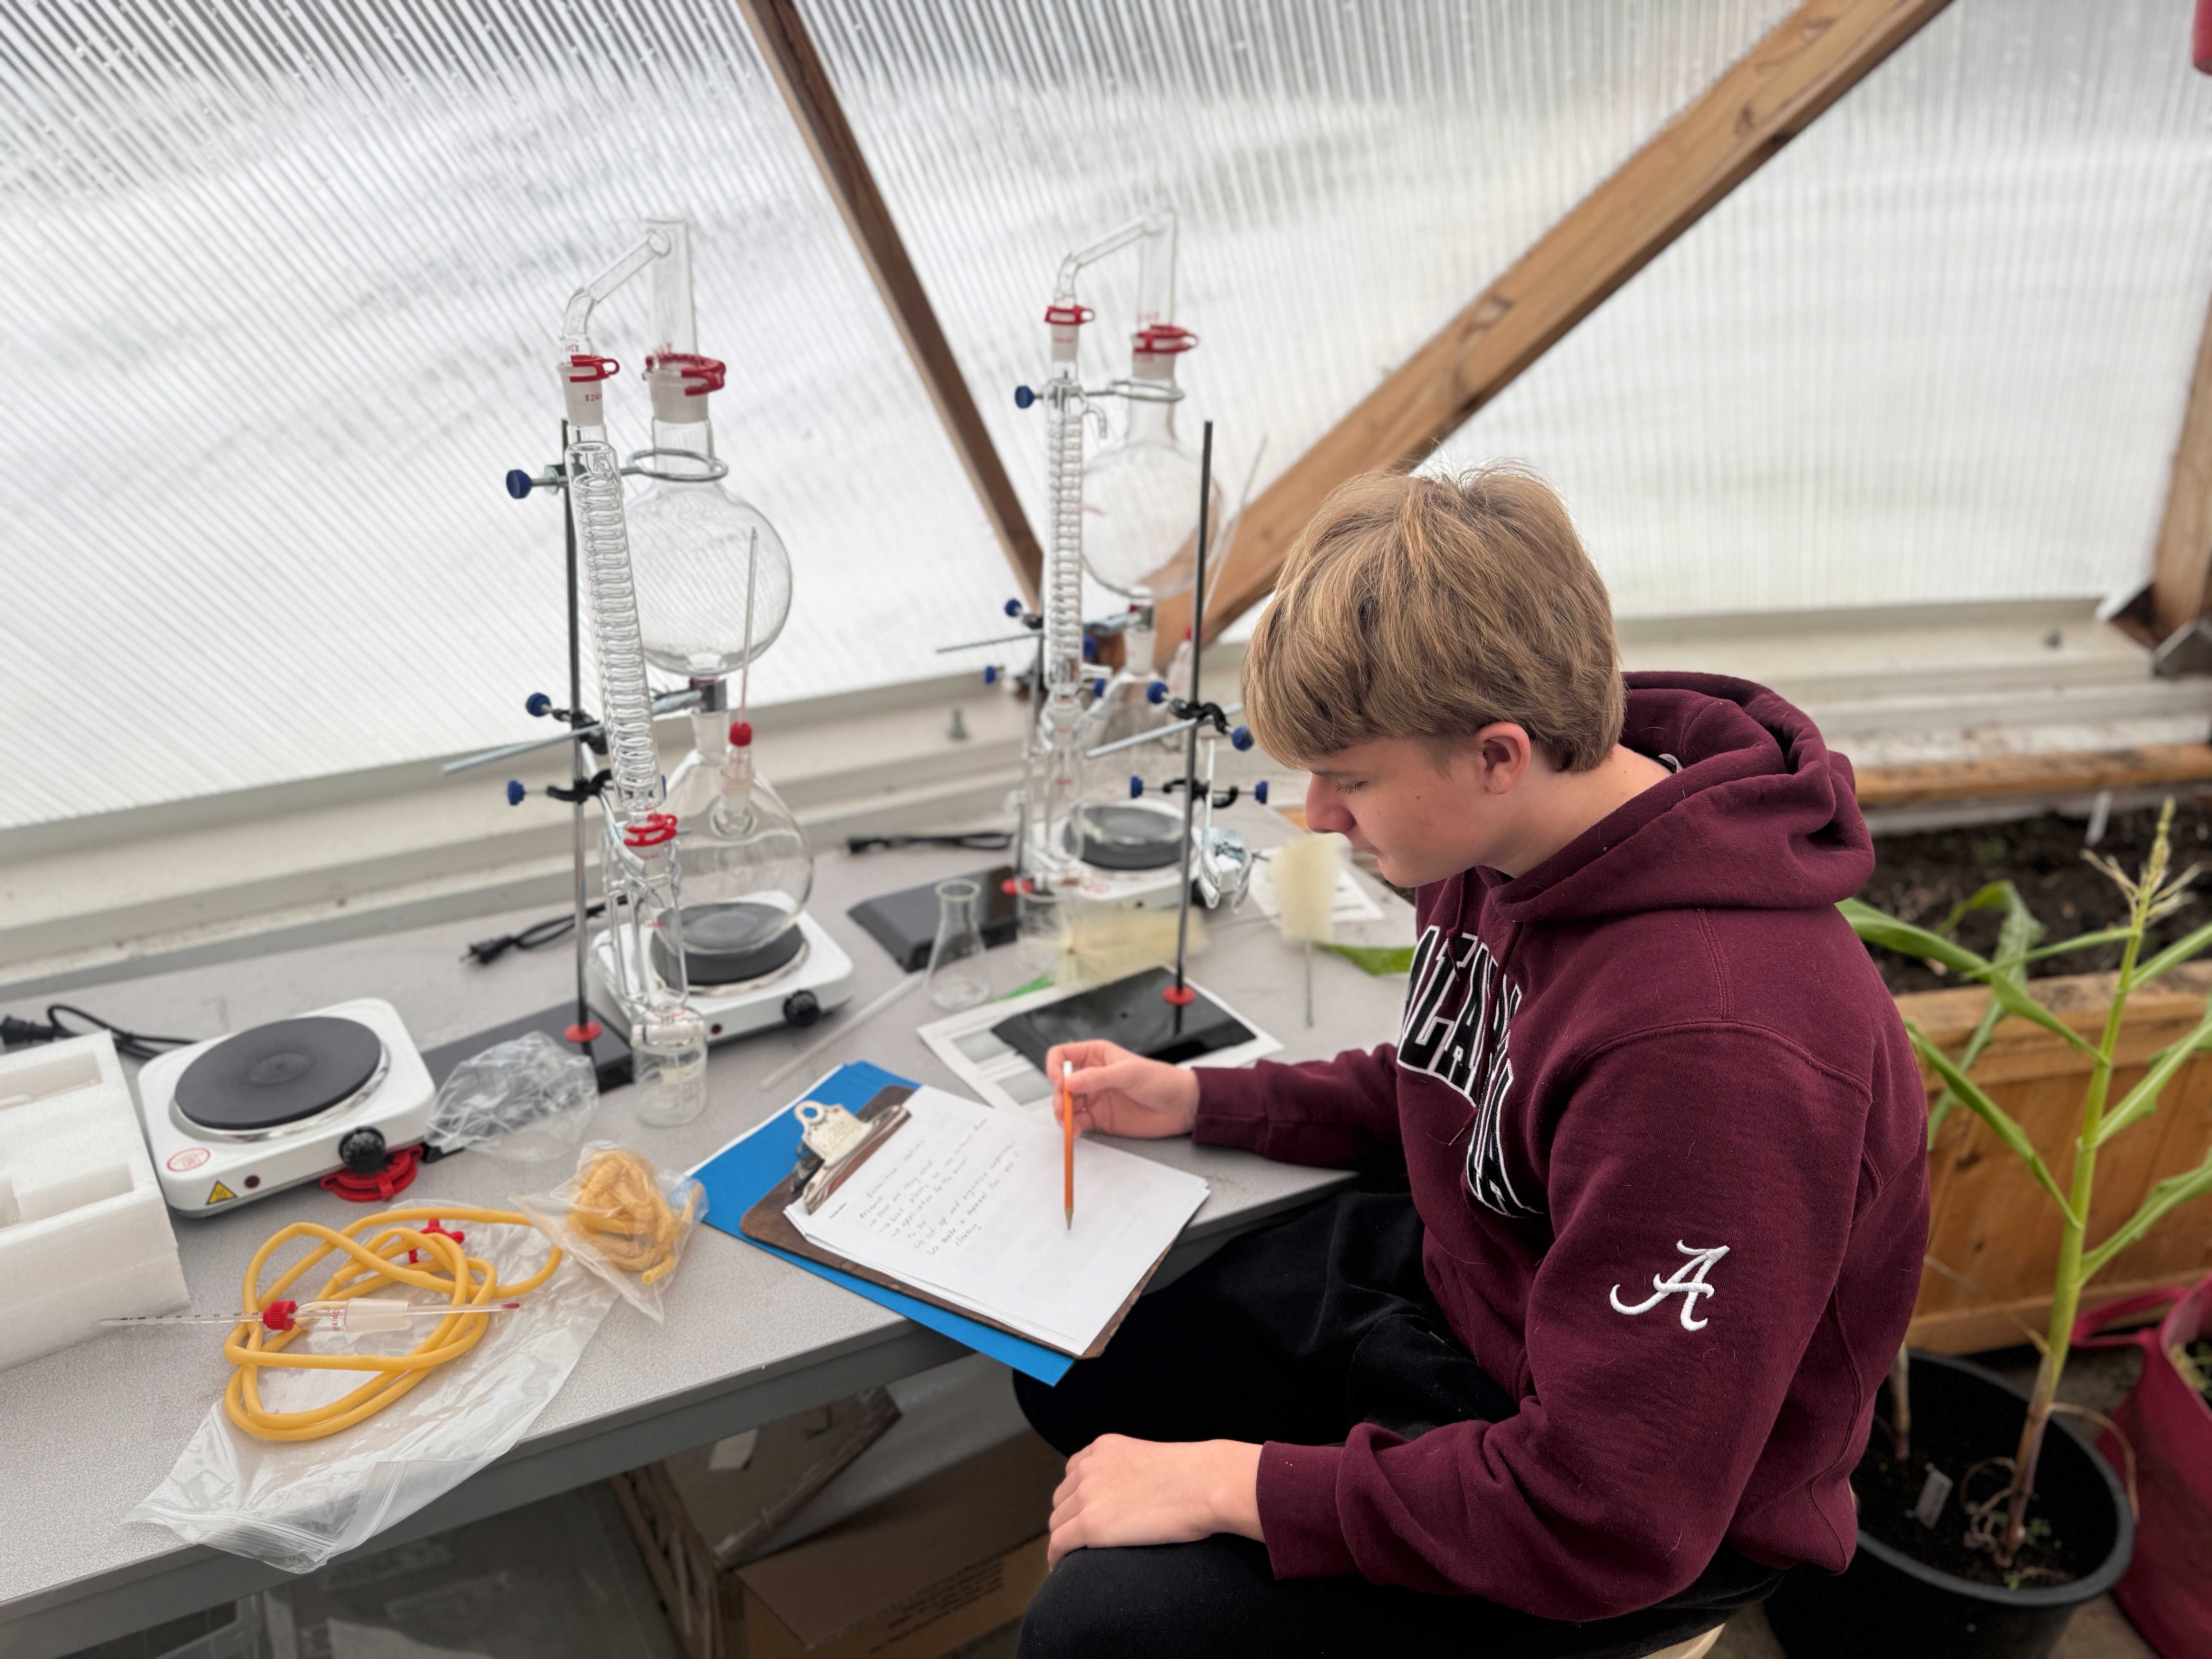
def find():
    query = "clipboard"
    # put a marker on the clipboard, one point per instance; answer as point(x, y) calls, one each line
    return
point(834, 1145)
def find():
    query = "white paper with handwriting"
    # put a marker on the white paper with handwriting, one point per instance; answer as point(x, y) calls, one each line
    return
point(966, 1203)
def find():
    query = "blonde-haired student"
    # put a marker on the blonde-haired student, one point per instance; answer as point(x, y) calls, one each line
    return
point(1584, 1362)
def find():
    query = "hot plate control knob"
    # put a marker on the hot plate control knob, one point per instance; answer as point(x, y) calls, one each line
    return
point(802, 1008)
point(363, 1152)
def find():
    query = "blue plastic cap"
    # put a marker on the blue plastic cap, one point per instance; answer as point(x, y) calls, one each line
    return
point(1157, 691)
point(515, 792)
point(520, 483)
point(1013, 607)
point(1098, 687)
point(1260, 791)
point(1241, 739)
point(1023, 397)
point(1136, 787)
point(537, 705)
point(1090, 649)
point(990, 673)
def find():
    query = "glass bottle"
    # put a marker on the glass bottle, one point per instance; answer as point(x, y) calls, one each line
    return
point(957, 978)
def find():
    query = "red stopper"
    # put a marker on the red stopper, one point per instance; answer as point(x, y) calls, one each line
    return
point(741, 733)
point(277, 1315)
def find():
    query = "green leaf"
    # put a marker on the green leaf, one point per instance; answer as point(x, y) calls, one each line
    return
point(2019, 930)
point(1872, 925)
point(1887, 931)
point(2174, 955)
point(2173, 1190)
point(2142, 1100)
point(1989, 1112)
point(2082, 942)
point(1376, 959)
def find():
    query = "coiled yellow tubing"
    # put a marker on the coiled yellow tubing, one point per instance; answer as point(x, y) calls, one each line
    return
point(466, 1280)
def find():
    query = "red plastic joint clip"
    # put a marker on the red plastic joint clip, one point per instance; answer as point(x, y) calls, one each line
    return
point(593, 368)
point(658, 827)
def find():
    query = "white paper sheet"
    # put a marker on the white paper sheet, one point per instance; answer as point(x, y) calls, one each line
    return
point(967, 1203)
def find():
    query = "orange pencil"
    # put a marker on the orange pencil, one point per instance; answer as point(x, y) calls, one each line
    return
point(1066, 1140)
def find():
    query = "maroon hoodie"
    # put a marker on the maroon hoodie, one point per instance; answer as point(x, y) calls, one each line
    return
point(1665, 1133)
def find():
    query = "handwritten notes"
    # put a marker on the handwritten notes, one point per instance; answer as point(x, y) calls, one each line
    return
point(964, 1202)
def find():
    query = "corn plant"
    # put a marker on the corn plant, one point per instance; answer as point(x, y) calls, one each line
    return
point(2151, 896)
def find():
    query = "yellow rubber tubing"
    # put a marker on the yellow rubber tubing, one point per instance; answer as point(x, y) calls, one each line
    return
point(467, 1280)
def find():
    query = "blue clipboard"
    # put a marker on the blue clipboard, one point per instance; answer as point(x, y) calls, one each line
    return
point(742, 1173)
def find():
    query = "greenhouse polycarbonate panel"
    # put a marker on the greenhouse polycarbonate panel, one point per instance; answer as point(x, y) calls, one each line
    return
point(283, 280)
point(1938, 348)
point(1347, 176)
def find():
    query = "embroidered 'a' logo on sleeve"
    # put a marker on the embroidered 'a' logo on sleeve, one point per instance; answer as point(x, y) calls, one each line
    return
point(1687, 1281)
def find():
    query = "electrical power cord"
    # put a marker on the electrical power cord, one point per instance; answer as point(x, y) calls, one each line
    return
point(134, 1045)
point(976, 840)
point(538, 933)
point(261, 1339)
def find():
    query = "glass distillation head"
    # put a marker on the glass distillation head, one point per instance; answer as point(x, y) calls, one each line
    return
point(1139, 492)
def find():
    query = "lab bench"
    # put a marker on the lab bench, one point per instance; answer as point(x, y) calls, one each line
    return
point(87, 1432)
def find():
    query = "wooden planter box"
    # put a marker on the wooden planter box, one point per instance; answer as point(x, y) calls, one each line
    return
point(1988, 1220)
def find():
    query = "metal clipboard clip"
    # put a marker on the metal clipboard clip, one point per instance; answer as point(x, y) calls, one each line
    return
point(835, 1143)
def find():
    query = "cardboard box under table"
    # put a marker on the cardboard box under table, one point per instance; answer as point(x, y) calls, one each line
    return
point(916, 1577)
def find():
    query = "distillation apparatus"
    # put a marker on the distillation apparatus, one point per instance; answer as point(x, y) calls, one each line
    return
point(715, 590)
point(1123, 516)
point(638, 866)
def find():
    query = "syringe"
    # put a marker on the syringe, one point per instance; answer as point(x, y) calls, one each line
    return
point(357, 1314)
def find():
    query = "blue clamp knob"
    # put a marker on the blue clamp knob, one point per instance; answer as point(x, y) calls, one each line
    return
point(515, 792)
point(990, 673)
point(1013, 607)
point(538, 706)
point(1157, 692)
point(1136, 787)
point(1241, 739)
point(1090, 649)
point(1023, 397)
point(1098, 687)
point(1260, 791)
point(520, 483)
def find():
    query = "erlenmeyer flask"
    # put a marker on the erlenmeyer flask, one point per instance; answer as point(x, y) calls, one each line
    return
point(957, 978)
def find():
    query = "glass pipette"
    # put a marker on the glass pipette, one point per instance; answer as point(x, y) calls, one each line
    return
point(364, 1313)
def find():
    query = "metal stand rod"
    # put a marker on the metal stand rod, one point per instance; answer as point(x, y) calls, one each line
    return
point(1180, 996)
point(579, 765)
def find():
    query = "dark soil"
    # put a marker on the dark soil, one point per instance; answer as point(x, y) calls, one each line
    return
point(1918, 878)
point(1887, 1492)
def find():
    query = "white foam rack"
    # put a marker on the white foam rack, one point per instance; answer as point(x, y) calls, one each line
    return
point(84, 1234)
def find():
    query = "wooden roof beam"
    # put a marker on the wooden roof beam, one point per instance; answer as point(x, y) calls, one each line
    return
point(1814, 56)
point(789, 51)
point(2179, 587)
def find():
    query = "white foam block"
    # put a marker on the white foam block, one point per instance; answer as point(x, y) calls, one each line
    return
point(84, 1234)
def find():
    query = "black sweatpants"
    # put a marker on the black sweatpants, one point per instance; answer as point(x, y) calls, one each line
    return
point(1296, 1334)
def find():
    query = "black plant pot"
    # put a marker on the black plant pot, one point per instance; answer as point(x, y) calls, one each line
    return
point(1888, 1604)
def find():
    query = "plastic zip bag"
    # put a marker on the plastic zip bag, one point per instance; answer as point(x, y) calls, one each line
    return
point(295, 1504)
point(622, 1219)
point(529, 1100)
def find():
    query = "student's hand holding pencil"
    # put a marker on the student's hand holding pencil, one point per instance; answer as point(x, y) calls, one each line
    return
point(1115, 1093)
